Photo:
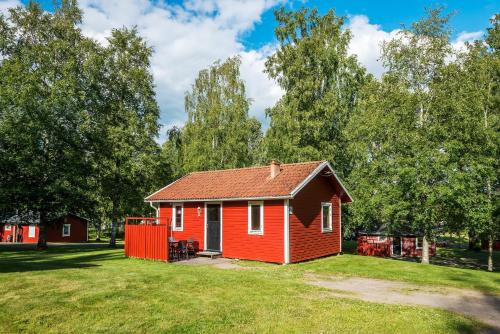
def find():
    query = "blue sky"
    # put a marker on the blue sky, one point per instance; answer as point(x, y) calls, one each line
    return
point(470, 15)
point(189, 35)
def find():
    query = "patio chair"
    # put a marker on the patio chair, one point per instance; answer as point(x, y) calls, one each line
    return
point(191, 249)
point(182, 249)
point(173, 253)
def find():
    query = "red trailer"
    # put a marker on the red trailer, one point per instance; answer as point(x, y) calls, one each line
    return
point(281, 213)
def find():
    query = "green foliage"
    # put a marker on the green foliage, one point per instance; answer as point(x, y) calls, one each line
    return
point(78, 121)
point(321, 83)
point(127, 154)
point(218, 133)
point(45, 125)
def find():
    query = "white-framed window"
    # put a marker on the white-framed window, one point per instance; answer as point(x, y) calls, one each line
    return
point(178, 217)
point(66, 231)
point(31, 231)
point(326, 217)
point(256, 217)
point(419, 242)
point(8, 227)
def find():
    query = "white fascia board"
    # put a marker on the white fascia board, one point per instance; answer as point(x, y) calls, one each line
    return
point(314, 173)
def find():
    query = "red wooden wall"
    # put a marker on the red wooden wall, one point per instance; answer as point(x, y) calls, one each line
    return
point(193, 228)
point(306, 239)
point(237, 243)
point(146, 241)
point(4, 234)
point(409, 247)
point(496, 244)
point(78, 231)
point(370, 245)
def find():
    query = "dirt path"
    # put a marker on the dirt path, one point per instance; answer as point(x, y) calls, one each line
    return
point(485, 308)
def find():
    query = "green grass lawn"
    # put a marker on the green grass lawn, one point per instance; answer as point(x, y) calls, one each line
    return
point(94, 290)
point(413, 272)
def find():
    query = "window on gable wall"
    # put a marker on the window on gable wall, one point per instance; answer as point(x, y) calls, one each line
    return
point(66, 230)
point(178, 217)
point(326, 217)
point(255, 217)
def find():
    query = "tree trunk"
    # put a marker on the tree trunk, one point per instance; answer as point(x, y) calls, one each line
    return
point(99, 228)
point(472, 241)
point(42, 232)
point(112, 239)
point(490, 253)
point(425, 250)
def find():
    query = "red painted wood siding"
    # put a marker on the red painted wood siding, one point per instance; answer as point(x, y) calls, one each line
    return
point(193, 228)
point(4, 234)
point(369, 245)
point(409, 247)
point(78, 230)
point(146, 241)
point(237, 243)
point(306, 239)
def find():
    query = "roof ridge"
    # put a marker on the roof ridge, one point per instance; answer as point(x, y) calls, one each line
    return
point(255, 167)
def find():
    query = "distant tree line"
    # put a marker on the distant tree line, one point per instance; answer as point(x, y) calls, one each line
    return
point(417, 148)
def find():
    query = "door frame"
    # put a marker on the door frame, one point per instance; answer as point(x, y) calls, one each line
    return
point(205, 225)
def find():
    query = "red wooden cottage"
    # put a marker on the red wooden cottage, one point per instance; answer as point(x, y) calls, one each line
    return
point(377, 244)
point(68, 228)
point(281, 213)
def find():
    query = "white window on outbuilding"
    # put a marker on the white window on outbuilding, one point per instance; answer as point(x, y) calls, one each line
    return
point(66, 231)
point(8, 227)
point(31, 231)
point(419, 242)
point(256, 217)
point(326, 217)
point(178, 217)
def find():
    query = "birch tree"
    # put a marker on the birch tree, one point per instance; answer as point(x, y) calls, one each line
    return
point(219, 133)
point(321, 82)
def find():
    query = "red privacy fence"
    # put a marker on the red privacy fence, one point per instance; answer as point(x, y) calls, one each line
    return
point(145, 239)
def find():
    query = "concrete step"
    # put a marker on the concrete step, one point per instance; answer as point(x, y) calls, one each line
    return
point(210, 254)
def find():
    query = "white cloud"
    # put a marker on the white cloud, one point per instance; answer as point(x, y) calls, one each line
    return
point(6, 4)
point(191, 36)
point(465, 36)
point(366, 42)
point(187, 38)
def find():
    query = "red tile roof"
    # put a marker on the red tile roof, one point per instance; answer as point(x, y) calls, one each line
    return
point(244, 183)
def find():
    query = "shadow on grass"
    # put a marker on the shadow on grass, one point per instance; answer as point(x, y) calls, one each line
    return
point(71, 256)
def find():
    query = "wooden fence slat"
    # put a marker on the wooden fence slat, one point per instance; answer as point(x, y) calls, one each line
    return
point(146, 241)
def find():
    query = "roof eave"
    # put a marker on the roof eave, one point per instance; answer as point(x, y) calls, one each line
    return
point(257, 198)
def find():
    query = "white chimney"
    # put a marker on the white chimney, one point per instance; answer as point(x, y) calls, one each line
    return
point(275, 168)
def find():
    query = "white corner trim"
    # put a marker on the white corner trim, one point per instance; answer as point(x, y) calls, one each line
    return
point(340, 224)
point(174, 218)
point(315, 172)
point(286, 229)
point(256, 232)
point(330, 217)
